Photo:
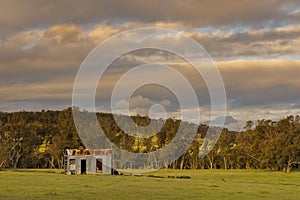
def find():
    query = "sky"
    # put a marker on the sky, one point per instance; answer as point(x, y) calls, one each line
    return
point(254, 44)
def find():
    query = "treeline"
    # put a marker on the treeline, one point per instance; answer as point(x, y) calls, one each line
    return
point(38, 140)
point(270, 145)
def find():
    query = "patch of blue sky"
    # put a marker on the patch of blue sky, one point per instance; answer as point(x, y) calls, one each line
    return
point(208, 29)
point(289, 57)
point(226, 29)
point(280, 57)
point(31, 44)
point(243, 58)
point(295, 10)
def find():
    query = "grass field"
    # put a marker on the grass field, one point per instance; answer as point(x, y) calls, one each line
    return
point(203, 184)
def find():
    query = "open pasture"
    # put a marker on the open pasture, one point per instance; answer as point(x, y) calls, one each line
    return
point(202, 184)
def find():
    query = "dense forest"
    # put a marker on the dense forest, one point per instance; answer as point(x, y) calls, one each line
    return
point(38, 140)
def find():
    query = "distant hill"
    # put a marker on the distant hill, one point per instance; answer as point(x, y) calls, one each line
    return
point(230, 123)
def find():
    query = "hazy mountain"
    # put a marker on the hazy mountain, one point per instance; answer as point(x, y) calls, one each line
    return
point(230, 123)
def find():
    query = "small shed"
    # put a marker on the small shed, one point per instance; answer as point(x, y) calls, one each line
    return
point(88, 161)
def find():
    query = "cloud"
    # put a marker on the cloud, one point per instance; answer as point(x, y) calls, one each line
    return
point(63, 41)
point(140, 101)
point(259, 83)
point(266, 43)
point(141, 105)
point(64, 34)
point(41, 51)
point(16, 17)
point(249, 83)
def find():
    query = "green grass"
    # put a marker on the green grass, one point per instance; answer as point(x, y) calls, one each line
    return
point(203, 184)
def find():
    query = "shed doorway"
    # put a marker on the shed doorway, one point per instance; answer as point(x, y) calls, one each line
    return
point(99, 165)
point(83, 167)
